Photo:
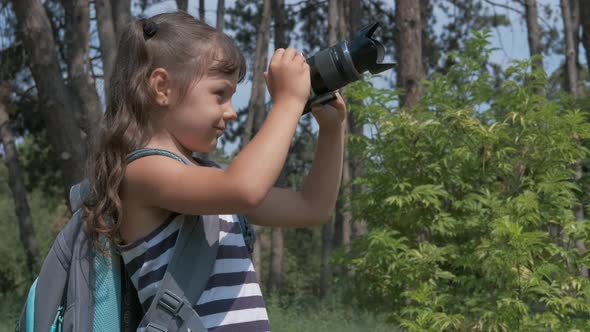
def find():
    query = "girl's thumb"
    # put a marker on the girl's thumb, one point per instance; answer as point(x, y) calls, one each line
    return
point(265, 74)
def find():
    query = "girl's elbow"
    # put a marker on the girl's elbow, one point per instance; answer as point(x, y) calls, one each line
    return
point(252, 196)
point(324, 218)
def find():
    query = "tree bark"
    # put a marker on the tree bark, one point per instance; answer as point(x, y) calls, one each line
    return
point(108, 40)
point(121, 10)
point(80, 82)
point(359, 226)
point(59, 109)
point(182, 5)
point(275, 274)
point(220, 15)
point(202, 10)
point(343, 218)
point(256, 105)
point(575, 17)
point(328, 229)
point(17, 186)
point(410, 70)
point(534, 32)
point(585, 23)
point(572, 86)
point(347, 166)
point(570, 48)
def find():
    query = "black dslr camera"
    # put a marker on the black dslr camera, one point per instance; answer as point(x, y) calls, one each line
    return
point(343, 63)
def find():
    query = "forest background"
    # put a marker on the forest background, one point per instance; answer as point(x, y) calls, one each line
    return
point(465, 185)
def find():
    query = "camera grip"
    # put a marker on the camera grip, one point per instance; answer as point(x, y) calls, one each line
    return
point(321, 99)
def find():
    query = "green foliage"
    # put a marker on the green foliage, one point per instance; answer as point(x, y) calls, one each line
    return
point(469, 196)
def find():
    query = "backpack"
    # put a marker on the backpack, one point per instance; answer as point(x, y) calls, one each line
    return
point(80, 289)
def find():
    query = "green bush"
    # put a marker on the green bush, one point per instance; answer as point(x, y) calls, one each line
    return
point(470, 199)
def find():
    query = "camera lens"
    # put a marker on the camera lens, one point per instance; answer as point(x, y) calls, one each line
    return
point(343, 63)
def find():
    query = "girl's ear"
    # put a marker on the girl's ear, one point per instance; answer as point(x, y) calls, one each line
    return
point(160, 83)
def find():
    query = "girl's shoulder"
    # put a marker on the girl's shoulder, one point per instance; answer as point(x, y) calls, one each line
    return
point(162, 182)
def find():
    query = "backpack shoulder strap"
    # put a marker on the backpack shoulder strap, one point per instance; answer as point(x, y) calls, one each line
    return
point(152, 152)
point(78, 194)
point(188, 271)
point(185, 278)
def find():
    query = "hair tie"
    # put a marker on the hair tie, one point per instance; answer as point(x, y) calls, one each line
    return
point(149, 28)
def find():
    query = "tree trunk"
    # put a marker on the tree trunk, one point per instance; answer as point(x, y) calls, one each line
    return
point(410, 70)
point(347, 174)
point(256, 105)
point(359, 227)
point(328, 229)
point(202, 10)
point(121, 15)
point(17, 186)
point(220, 15)
point(81, 83)
point(343, 10)
point(534, 33)
point(575, 16)
point(580, 218)
point(59, 109)
point(112, 17)
point(182, 5)
point(280, 24)
point(108, 40)
point(570, 48)
point(585, 23)
point(572, 85)
point(275, 274)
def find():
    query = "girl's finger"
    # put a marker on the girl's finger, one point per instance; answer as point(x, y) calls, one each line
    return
point(265, 74)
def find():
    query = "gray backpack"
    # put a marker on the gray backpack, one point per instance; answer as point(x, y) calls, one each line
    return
point(79, 289)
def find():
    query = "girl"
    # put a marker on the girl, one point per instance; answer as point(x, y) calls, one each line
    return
point(171, 89)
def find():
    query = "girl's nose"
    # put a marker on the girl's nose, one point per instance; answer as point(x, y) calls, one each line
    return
point(230, 113)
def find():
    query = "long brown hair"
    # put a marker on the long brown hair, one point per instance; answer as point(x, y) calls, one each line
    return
point(182, 45)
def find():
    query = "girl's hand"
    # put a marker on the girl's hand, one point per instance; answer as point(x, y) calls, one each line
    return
point(288, 78)
point(332, 115)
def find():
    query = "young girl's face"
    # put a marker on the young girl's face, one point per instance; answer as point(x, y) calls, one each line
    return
point(197, 121)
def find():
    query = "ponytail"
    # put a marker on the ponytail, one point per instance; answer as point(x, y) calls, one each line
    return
point(125, 127)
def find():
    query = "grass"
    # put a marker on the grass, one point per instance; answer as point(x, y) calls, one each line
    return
point(322, 316)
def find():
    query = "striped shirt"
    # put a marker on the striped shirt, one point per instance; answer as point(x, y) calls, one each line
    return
point(231, 301)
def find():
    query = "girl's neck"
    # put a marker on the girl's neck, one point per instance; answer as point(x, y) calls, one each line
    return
point(166, 142)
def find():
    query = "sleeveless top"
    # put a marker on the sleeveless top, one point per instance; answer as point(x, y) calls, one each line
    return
point(232, 299)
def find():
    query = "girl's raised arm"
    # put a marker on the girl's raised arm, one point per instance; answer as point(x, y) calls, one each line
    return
point(165, 183)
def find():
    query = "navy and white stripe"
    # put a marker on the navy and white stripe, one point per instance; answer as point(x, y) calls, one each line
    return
point(146, 260)
point(232, 300)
